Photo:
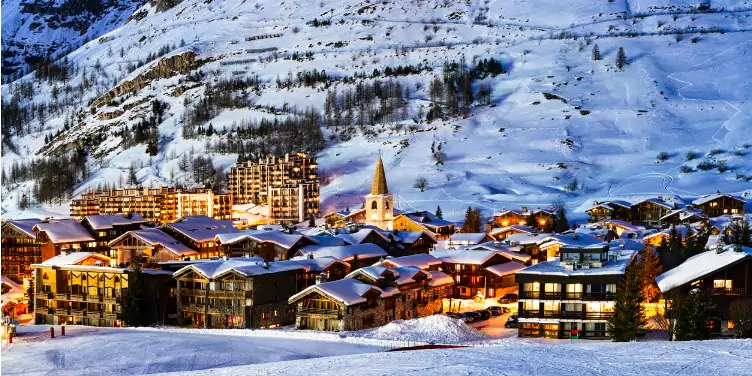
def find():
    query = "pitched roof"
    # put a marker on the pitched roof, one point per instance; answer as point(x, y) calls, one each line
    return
point(707, 198)
point(347, 291)
point(103, 222)
point(359, 236)
point(464, 256)
point(439, 278)
point(379, 179)
point(684, 231)
point(279, 238)
point(24, 225)
point(468, 237)
point(506, 268)
point(421, 260)
point(572, 240)
point(409, 237)
point(503, 250)
point(657, 202)
point(554, 267)
point(73, 258)
point(200, 228)
point(245, 267)
point(344, 253)
point(517, 228)
point(155, 236)
point(701, 265)
point(64, 231)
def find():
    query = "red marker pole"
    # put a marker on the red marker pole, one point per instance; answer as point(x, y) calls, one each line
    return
point(62, 331)
point(10, 337)
point(52, 332)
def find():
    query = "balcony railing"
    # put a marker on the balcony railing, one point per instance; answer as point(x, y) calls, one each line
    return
point(530, 313)
point(572, 296)
point(574, 315)
point(319, 311)
point(551, 314)
point(727, 291)
point(551, 295)
point(598, 315)
point(530, 294)
point(598, 296)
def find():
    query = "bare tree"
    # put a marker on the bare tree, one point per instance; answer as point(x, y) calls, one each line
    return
point(421, 183)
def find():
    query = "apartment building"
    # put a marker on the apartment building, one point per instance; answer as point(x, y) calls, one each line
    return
point(20, 248)
point(289, 185)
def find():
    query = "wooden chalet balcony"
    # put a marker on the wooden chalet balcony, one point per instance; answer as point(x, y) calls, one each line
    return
point(598, 315)
point(727, 291)
point(62, 311)
point(319, 311)
point(192, 307)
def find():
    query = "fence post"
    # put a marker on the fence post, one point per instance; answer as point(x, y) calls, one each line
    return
point(52, 332)
point(62, 331)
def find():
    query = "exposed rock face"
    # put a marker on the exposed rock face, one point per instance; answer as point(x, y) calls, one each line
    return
point(165, 68)
point(163, 5)
point(109, 115)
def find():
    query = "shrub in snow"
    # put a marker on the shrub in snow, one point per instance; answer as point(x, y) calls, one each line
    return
point(663, 156)
point(691, 155)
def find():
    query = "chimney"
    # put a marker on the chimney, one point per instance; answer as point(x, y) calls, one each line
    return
point(64, 252)
point(310, 256)
point(266, 264)
point(321, 278)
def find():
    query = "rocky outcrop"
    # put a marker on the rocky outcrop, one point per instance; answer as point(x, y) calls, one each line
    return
point(165, 68)
point(109, 115)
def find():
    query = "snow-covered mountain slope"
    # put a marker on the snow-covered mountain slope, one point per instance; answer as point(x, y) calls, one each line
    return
point(559, 125)
point(34, 30)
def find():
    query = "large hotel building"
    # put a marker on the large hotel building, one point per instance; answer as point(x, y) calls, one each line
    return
point(289, 185)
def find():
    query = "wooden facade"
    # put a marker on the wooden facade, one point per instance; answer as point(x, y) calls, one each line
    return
point(471, 280)
point(20, 249)
point(722, 204)
point(602, 211)
point(649, 212)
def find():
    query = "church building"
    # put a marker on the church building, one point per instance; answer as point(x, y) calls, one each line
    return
point(379, 204)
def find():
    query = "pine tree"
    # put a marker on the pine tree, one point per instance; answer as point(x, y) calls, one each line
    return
point(621, 58)
point(132, 179)
point(29, 293)
point(134, 306)
point(649, 267)
point(691, 323)
point(311, 221)
point(473, 222)
point(628, 321)
point(741, 233)
point(596, 53)
point(439, 213)
point(561, 223)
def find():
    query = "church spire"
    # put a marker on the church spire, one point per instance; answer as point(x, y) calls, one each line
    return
point(379, 179)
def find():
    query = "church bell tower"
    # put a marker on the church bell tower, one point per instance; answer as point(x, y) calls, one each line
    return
point(379, 204)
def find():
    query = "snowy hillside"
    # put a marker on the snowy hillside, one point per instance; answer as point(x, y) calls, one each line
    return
point(555, 125)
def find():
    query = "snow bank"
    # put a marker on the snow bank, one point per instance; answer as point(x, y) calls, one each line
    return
point(432, 329)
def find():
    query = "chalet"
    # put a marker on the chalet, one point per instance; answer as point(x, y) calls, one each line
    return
point(421, 260)
point(468, 269)
point(719, 204)
point(371, 297)
point(508, 217)
point(602, 211)
point(246, 292)
point(105, 228)
point(79, 288)
point(269, 245)
point(527, 244)
point(199, 232)
point(505, 232)
point(414, 242)
point(150, 245)
point(63, 236)
point(13, 301)
point(685, 215)
point(572, 293)
point(438, 228)
point(459, 240)
point(20, 248)
point(368, 235)
point(357, 256)
point(655, 239)
point(551, 244)
point(343, 218)
point(650, 211)
point(625, 229)
point(722, 276)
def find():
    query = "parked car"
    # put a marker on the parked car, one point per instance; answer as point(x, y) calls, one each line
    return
point(508, 298)
point(495, 310)
point(484, 314)
point(475, 316)
point(452, 315)
point(512, 322)
point(465, 318)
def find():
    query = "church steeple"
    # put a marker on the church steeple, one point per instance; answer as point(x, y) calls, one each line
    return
point(379, 179)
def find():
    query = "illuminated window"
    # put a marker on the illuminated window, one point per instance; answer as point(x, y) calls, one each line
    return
point(722, 284)
point(731, 325)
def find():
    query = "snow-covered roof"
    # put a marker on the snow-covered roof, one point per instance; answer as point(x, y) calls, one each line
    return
point(570, 240)
point(406, 274)
point(655, 201)
point(375, 272)
point(421, 260)
point(525, 239)
point(439, 278)
point(103, 222)
point(244, 266)
point(515, 228)
point(684, 213)
point(344, 253)
point(200, 228)
point(359, 236)
point(155, 236)
point(428, 218)
point(64, 231)
point(279, 238)
point(24, 225)
point(73, 258)
point(327, 240)
point(707, 198)
point(347, 291)
point(623, 224)
point(319, 264)
point(501, 249)
point(610, 268)
point(506, 268)
point(409, 237)
point(621, 203)
point(461, 256)
point(684, 231)
point(15, 293)
point(602, 205)
point(468, 237)
point(701, 265)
